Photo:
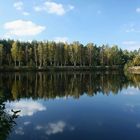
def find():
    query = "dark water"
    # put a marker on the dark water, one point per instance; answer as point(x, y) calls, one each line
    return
point(69, 106)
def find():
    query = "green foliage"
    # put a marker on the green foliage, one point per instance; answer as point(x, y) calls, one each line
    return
point(44, 54)
point(136, 60)
point(7, 121)
point(1, 53)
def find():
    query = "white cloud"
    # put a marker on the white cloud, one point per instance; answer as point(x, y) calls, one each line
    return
point(27, 107)
point(70, 7)
point(18, 5)
point(131, 45)
point(26, 13)
point(54, 8)
point(23, 28)
point(132, 29)
point(138, 10)
point(61, 39)
point(135, 28)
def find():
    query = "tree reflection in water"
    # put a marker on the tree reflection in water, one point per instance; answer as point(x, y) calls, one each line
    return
point(14, 86)
point(63, 84)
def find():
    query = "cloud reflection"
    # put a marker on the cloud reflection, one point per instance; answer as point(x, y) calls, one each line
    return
point(26, 123)
point(39, 127)
point(138, 125)
point(55, 127)
point(131, 91)
point(19, 131)
point(27, 107)
point(132, 107)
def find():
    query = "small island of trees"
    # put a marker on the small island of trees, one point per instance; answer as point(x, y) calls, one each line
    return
point(44, 54)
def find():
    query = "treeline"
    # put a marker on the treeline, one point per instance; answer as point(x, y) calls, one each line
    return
point(135, 61)
point(14, 86)
point(49, 53)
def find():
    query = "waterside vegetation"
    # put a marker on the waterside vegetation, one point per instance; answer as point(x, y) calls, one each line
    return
point(49, 55)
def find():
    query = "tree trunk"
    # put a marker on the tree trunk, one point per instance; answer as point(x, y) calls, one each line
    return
point(74, 64)
point(19, 64)
point(15, 63)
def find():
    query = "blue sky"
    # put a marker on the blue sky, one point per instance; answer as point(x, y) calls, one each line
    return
point(98, 21)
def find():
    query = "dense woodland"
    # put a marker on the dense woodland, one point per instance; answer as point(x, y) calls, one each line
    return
point(49, 53)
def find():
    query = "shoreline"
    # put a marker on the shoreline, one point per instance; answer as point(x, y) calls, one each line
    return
point(134, 69)
point(61, 68)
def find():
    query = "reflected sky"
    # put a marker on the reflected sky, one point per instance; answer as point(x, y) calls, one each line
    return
point(53, 128)
point(99, 117)
point(131, 91)
point(26, 107)
point(71, 106)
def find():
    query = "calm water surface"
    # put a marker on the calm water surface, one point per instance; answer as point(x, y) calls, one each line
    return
point(69, 106)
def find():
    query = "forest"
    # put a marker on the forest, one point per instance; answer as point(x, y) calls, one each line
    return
point(42, 54)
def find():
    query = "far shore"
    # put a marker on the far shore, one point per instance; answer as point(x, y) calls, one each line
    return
point(61, 68)
point(134, 69)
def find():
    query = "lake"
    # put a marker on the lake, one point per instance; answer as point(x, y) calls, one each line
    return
point(69, 106)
